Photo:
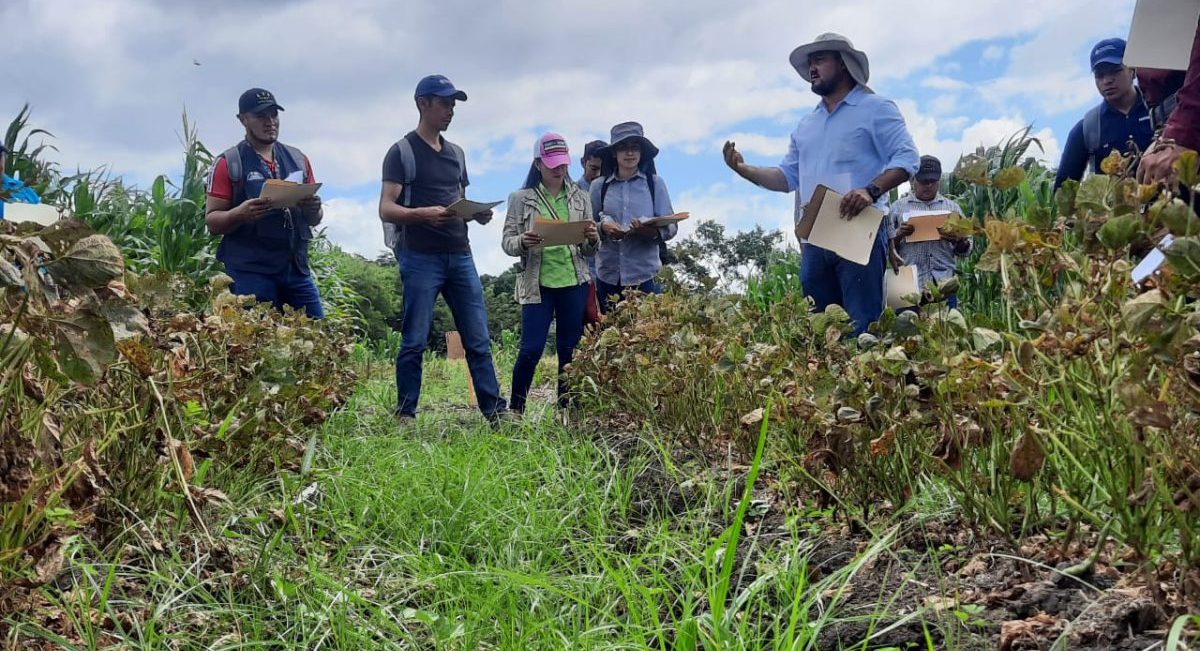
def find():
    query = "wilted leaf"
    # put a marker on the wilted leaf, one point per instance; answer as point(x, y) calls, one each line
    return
point(883, 444)
point(10, 276)
point(126, 319)
point(1118, 232)
point(753, 418)
point(84, 345)
point(1139, 310)
point(1177, 216)
point(1113, 164)
point(1184, 256)
point(984, 339)
point(1028, 457)
point(186, 465)
point(92, 262)
point(1008, 178)
point(1095, 193)
point(1188, 166)
point(1064, 197)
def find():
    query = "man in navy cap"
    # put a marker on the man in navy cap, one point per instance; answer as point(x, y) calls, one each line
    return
point(423, 173)
point(265, 250)
point(1120, 122)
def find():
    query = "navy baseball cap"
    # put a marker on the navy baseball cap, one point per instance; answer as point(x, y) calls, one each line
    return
point(257, 100)
point(1110, 50)
point(439, 85)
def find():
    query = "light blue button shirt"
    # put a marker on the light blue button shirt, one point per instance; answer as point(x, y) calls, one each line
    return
point(848, 148)
point(634, 259)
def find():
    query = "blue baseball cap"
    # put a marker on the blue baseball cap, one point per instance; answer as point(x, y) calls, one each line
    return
point(440, 86)
point(1110, 50)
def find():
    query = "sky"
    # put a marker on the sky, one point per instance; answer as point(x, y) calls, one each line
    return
point(111, 79)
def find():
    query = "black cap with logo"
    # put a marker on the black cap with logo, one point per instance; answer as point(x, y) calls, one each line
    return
point(257, 100)
point(930, 169)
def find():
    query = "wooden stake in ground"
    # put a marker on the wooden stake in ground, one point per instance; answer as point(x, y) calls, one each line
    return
point(455, 351)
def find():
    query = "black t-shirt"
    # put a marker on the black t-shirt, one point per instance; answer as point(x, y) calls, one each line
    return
point(440, 181)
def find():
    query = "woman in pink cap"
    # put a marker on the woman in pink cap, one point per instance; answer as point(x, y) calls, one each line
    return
point(553, 280)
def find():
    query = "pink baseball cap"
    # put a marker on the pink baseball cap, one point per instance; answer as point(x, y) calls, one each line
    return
point(552, 150)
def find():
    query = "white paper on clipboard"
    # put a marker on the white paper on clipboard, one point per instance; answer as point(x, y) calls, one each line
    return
point(1152, 262)
point(1162, 33)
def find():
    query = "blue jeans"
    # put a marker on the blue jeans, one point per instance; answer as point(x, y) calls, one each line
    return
point(829, 279)
point(565, 306)
point(453, 275)
point(288, 288)
point(610, 295)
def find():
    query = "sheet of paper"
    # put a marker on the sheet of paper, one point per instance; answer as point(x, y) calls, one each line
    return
point(905, 217)
point(666, 219)
point(557, 233)
point(926, 227)
point(807, 186)
point(38, 213)
point(466, 208)
point(296, 177)
point(898, 286)
point(852, 239)
point(285, 194)
point(1152, 262)
point(1161, 34)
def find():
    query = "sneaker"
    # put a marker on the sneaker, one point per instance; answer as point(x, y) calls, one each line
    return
point(405, 421)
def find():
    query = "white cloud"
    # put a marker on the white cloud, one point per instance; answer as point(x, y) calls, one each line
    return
point(942, 82)
point(993, 53)
point(756, 143)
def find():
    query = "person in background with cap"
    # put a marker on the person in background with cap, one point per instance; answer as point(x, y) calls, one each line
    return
point(935, 260)
point(553, 281)
point(854, 142)
point(433, 250)
point(1121, 121)
point(629, 191)
point(591, 164)
point(265, 250)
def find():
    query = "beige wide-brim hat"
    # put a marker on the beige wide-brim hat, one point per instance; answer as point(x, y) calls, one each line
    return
point(855, 60)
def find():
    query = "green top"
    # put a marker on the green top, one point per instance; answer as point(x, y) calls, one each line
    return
point(558, 268)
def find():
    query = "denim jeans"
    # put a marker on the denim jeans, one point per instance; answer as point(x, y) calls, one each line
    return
point(829, 279)
point(288, 288)
point(453, 275)
point(610, 295)
point(565, 306)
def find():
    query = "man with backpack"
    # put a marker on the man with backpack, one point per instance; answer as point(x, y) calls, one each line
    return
point(1121, 122)
point(423, 174)
point(265, 250)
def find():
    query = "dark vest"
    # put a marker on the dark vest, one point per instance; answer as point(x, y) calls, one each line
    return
point(281, 237)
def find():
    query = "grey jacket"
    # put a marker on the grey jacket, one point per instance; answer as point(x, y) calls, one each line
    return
point(523, 207)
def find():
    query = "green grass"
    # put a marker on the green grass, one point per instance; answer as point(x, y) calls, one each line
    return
point(449, 535)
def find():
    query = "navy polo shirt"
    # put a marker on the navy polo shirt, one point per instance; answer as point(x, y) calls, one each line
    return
point(1116, 130)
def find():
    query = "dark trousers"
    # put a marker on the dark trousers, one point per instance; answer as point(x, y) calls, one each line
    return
point(290, 287)
point(565, 306)
point(610, 295)
point(829, 279)
point(453, 275)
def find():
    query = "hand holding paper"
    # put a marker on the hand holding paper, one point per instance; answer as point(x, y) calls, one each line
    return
point(286, 194)
point(468, 210)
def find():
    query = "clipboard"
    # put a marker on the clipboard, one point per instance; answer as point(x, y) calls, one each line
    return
point(1161, 34)
point(666, 220)
point(286, 194)
point(926, 227)
point(38, 213)
point(822, 225)
point(559, 233)
point(900, 288)
point(467, 209)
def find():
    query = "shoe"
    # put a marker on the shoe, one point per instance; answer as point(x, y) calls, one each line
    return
point(405, 421)
point(505, 417)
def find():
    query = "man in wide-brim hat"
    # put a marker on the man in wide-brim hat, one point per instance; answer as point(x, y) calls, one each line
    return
point(854, 142)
